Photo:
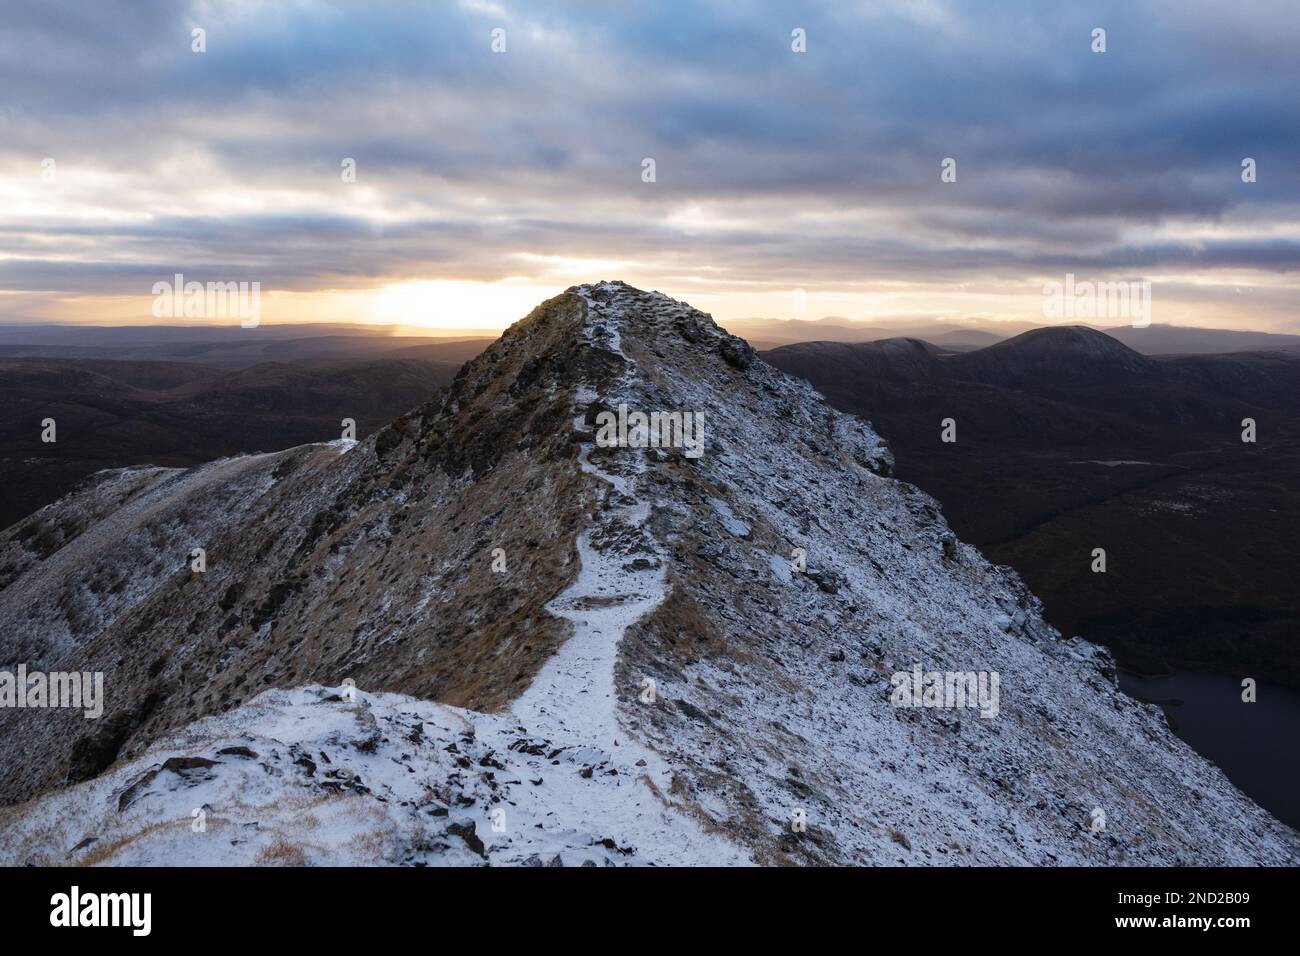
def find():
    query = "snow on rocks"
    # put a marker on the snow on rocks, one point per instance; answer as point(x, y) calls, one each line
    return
point(342, 777)
point(775, 683)
point(772, 699)
point(116, 561)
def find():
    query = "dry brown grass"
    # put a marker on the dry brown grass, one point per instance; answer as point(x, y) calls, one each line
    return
point(281, 852)
point(105, 850)
point(899, 838)
point(374, 848)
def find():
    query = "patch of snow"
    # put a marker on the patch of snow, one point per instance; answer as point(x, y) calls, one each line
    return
point(729, 520)
point(780, 568)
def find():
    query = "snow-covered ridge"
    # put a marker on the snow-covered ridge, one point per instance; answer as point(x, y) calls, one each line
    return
point(632, 568)
point(790, 699)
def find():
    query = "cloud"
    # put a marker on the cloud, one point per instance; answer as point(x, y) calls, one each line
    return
point(772, 167)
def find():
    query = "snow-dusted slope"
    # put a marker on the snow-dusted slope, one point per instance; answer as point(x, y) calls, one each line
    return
point(337, 776)
point(652, 681)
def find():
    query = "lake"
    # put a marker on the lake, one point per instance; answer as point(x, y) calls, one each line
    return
point(1256, 745)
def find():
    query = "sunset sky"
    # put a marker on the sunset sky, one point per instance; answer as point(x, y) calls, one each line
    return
point(487, 181)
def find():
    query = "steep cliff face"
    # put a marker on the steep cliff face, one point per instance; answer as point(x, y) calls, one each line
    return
point(673, 658)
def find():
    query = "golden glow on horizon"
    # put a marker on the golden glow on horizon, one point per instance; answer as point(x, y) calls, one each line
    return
point(452, 306)
point(705, 275)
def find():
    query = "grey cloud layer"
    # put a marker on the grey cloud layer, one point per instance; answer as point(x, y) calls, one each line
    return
point(818, 167)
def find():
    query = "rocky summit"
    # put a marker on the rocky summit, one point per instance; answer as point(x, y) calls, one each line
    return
point(499, 631)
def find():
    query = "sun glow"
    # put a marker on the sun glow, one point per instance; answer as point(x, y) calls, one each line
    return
point(457, 304)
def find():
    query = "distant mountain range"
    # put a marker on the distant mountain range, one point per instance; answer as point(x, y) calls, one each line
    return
point(769, 333)
point(972, 334)
point(233, 347)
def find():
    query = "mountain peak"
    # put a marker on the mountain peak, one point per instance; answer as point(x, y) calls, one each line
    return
point(636, 653)
point(1065, 354)
point(613, 306)
point(1078, 337)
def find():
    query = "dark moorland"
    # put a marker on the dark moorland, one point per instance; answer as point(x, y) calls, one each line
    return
point(1068, 440)
point(145, 397)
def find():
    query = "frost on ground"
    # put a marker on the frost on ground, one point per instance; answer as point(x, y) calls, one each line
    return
point(309, 776)
point(653, 680)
